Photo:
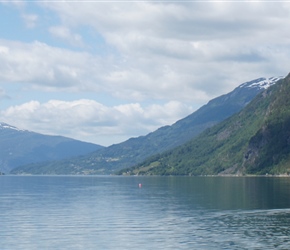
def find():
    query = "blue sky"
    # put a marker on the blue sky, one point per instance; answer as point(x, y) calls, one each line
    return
point(105, 71)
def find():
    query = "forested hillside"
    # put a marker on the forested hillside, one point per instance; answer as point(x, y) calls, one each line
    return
point(254, 141)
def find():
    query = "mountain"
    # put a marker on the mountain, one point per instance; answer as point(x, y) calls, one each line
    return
point(135, 150)
point(20, 147)
point(253, 141)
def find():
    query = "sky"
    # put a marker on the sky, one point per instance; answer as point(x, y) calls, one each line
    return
point(105, 71)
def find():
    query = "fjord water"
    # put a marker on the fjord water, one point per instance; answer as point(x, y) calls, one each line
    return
point(107, 212)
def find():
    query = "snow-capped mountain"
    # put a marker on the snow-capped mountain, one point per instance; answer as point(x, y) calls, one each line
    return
point(261, 83)
point(20, 147)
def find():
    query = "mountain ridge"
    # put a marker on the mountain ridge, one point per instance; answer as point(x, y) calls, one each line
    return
point(254, 141)
point(19, 147)
point(135, 150)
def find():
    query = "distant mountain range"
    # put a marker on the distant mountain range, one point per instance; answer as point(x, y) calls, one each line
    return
point(253, 141)
point(21, 147)
point(135, 150)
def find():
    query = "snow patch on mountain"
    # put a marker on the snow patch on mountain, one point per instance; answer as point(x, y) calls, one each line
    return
point(7, 126)
point(261, 83)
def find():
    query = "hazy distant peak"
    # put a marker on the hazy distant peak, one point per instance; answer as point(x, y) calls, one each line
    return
point(7, 126)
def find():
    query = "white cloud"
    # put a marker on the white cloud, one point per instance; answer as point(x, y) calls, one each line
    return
point(47, 68)
point(154, 52)
point(91, 121)
point(65, 34)
point(198, 41)
point(41, 66)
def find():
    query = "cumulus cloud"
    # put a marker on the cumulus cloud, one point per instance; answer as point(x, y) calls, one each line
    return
point(200, 42)
point(92, 121)
point(41, 66)
point(47, 68)
point(154, 52)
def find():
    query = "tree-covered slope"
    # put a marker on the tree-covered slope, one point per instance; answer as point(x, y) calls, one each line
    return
point(254, 141)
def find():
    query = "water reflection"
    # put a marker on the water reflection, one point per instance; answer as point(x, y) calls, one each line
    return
point(225, 192)
point(166, 213)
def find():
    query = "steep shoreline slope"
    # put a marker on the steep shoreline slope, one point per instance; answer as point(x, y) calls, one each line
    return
point(254, 141)
point(135, 150)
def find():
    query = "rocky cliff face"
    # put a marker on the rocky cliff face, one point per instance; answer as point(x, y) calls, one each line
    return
point(270, 147)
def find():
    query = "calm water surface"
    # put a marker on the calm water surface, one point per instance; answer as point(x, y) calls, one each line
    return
point(97, 212)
